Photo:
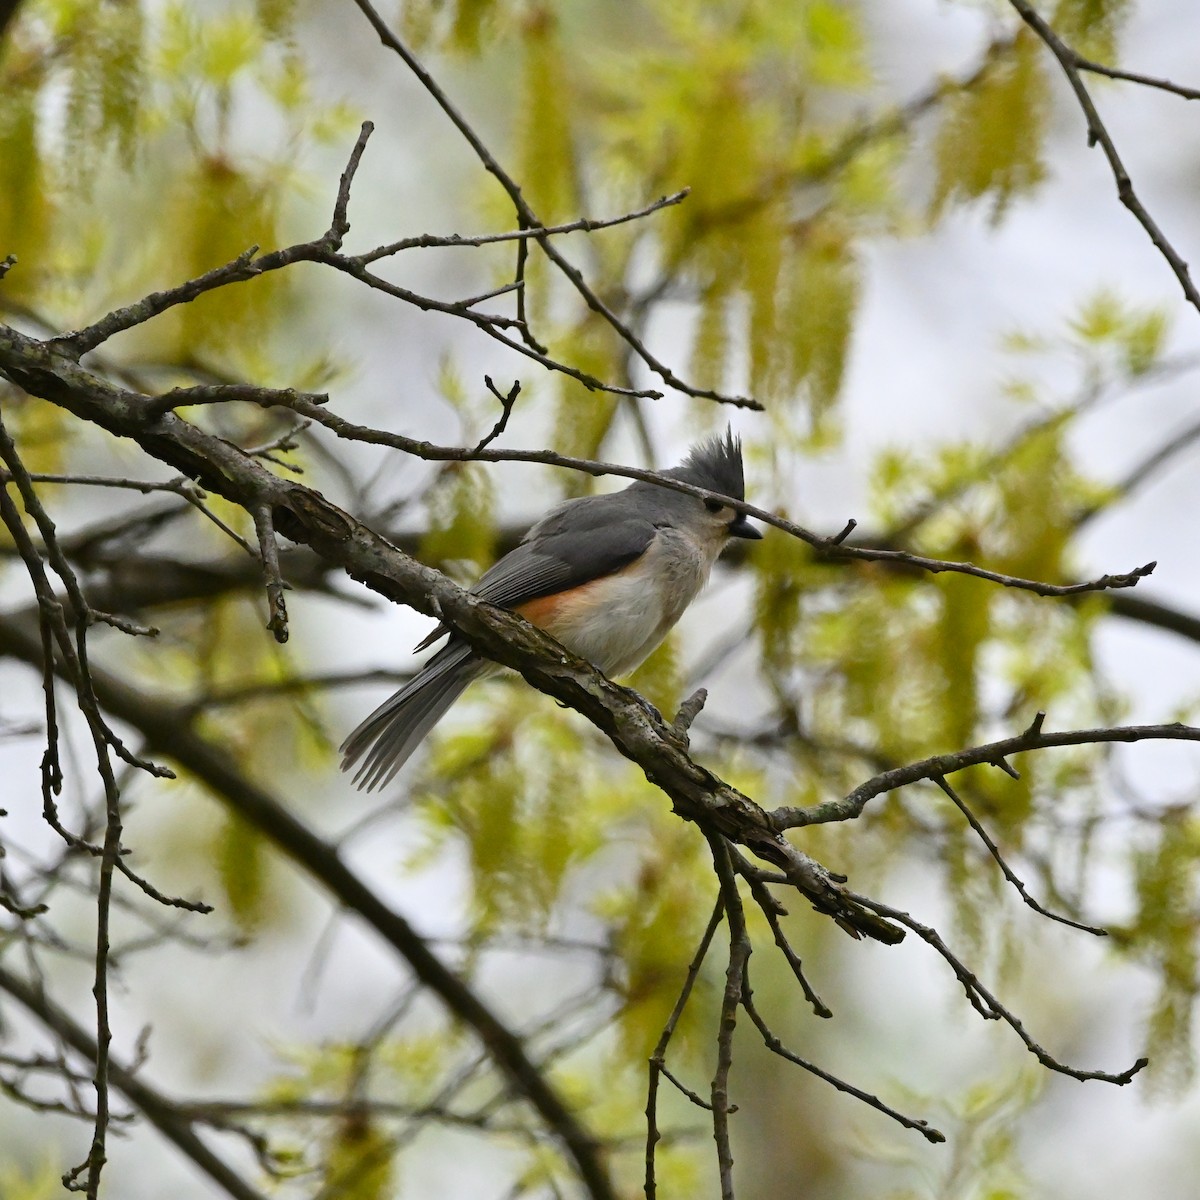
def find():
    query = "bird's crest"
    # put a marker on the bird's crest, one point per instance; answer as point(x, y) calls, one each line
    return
point(715, 464)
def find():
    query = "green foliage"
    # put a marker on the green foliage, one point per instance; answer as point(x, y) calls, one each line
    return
point(651, 923)
point(45, 432)
point(983, 1158)
point(358, 1160)
point(1036, 505)
point(522, 796)
point(458, 25)
point(25, 205)
point(547, 162)
point(43, 1183)
point(1091, 26)
point(358, 1155)
point(223, 212)
point(1135, 335)
point(411, 1065)
point(658, 678)
point(105, 52)
point(818, 312)
point(710, 346)
point(961, 631)
point(989, 143)
point(1164, 932)
point(461, 525)
point(783, 572)
point(583, 419)
point(217, 50)
point(275, 16)
point(241, 858)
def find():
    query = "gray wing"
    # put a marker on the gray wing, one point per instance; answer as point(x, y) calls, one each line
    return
point(577, 542)
point(560, 561)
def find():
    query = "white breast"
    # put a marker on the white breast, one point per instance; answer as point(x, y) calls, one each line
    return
point(618, 620)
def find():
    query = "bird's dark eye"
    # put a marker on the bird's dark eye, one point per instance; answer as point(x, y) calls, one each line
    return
point(713, 505)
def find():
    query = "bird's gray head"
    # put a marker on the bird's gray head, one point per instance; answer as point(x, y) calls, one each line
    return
point(716, 466)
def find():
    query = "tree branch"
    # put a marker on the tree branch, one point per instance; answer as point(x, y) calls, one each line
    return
point(833, 547)
point(305, 516)
point(161, 1112)
point(1072, 63)
point(167, 729)
point(1005, 869)
point(994, 753)
point(529, 220)
point(657, 1063)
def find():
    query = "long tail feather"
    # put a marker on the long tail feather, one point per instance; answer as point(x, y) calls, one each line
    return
point(386, 739)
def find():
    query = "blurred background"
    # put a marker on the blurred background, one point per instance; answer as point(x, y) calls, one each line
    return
point(898, 241)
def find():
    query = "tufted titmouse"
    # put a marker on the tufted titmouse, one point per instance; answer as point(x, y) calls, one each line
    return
point(607, 576)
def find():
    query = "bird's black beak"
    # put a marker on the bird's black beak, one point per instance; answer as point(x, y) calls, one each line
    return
point(740, 527)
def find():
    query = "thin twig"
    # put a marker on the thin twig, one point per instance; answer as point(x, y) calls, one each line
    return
point(506, 407)
point(229, 393)
point(1009, 874)
point(832, 547)
point(689, 710)
point(993, 753)
point(1098, 135)
point(1150, 81)
point(658, 1058)
point(517, 286)
point(528, 219)
point(986, 1004)
point(584, 224)
point(340, 225)
point(927, 1131)
point(772, 909)
point(740, 948)
point(269, 548)
point(683, 1088)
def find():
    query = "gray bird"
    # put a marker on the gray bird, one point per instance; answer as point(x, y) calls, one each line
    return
point(607, 576)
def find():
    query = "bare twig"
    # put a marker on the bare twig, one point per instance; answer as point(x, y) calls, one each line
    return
point(994, 753)
point(772, 909)
point(506, 407)
point(340, 225)
point(740, 949)
point(986, 1004)
point(504, 289)
point(658, 1058)
point(1009, 874)
point(833, 547)
point(518, 235)
point(683, 1089)
point(527, 219)
point(269, 548)
point(228, 393)
point(689, 710)
point(773, 1044)
point(1072, 64)
point(287, 440)
point(1150, 81)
